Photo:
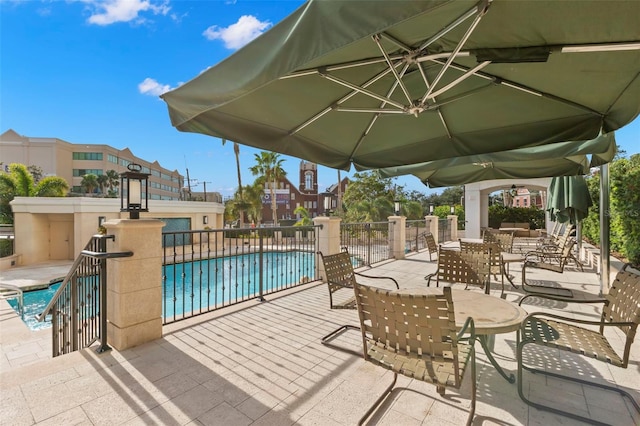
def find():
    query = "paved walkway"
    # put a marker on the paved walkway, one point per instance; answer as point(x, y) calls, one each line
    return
point(263, 364)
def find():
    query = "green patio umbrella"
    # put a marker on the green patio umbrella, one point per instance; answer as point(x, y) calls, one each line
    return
point(558, 159)
point(385, 83)
point(569, 199)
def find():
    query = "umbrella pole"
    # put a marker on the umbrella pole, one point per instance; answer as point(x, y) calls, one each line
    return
point(604, 227)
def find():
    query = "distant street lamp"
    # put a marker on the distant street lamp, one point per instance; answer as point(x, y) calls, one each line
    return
point(136, 185)
point(396, 206)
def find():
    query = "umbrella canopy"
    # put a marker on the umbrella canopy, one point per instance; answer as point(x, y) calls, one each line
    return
point(379, 84)
point(569, 199)
point(558, 159)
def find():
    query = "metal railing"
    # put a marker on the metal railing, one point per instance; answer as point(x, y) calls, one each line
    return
point(78, 308)
point(206, 270)
point(367, 242)
point(444, 230)
point(414, 235)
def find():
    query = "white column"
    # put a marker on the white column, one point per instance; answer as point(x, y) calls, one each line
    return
point(432, 226)
point(397, 236)
point(473, 209)
point(134, 284)
point(328, 240)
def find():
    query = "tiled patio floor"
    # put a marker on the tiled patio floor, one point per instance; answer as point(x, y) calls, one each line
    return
point(263, 364)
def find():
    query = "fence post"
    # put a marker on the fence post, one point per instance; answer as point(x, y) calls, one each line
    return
point(134, 284)
point(328, 240)
point(432, 226)
point(397, 236)
point(453, 225)
point(261, 267)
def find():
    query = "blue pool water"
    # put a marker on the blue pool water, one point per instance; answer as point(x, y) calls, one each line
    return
point(217, 282)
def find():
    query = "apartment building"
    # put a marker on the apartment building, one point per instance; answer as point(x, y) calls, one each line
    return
point(72, 161)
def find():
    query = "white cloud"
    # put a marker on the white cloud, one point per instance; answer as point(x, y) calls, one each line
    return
point(237, 35)
point(106, 12)
point(152, 88)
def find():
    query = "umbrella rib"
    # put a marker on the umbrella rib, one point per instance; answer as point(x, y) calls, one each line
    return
point(463, 40)
point(361, 90)
point(376, 39)
point(469, 13)
point(463, 77)
point(341, 100)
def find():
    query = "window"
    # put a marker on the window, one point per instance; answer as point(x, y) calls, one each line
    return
point(112, 159)
point(82, 172)
point(96, 156)
point(293, 195)
point(308, 181)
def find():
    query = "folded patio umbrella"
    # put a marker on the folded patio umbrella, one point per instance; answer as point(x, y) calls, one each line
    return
point(569, 199)
point(385, 83)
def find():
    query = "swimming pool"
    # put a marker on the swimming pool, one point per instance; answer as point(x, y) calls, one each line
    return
point(204, 285)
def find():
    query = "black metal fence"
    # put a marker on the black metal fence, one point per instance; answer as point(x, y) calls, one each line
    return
point(206, 270)
point(444, 230)
point(414, 235)
point(77, 309)
point(368, 242)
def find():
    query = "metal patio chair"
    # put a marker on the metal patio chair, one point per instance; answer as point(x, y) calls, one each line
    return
point(550, 261)
point(341, 277)
point(416, 336)
point(465, 267)
point(430, 242)
point(621, 309)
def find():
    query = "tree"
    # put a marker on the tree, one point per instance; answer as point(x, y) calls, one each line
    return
point(36, 172)
point(103, 181)
point(89, 183)
point(369, 197)
point(113, 181)
point(305, 218)
point(236, 151)
point(19, 182)
point(269, 171)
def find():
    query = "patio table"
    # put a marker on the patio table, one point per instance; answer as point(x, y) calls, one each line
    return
point(491, 315)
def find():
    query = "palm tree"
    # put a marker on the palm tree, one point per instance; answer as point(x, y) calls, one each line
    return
point(19, 182)
point(305, 219)
point(269, 170)
point(89, 183)
point(103, 181)
point(113, 181)
point(236, 151)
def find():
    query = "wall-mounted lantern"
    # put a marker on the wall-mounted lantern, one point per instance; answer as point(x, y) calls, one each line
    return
point(135, 185)
point(205, 220)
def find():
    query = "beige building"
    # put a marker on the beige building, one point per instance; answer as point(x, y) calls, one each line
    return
point(72, 161)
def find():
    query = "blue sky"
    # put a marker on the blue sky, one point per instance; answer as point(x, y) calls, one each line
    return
point(89, 71)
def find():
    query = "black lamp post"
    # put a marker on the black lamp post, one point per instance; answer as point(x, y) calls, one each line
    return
point(327, 200)
point(136, 185)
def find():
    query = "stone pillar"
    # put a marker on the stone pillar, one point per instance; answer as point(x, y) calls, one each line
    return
point(328, 240)
point(134, 286)
point(397, 236)
point(432, 226)
point(453, 223)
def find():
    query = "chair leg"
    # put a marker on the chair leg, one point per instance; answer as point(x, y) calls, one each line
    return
point(381, 398)
point(339, 330)
point(521, 367)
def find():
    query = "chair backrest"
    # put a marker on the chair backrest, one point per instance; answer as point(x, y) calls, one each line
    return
point(623, 305)
point(430, 242)
point(503, 240)
point(471, 251)
point(338, 270)
point(464, 266)
point(422, 325)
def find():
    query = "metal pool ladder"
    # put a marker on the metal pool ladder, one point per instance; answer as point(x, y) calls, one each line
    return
point(8, 291)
